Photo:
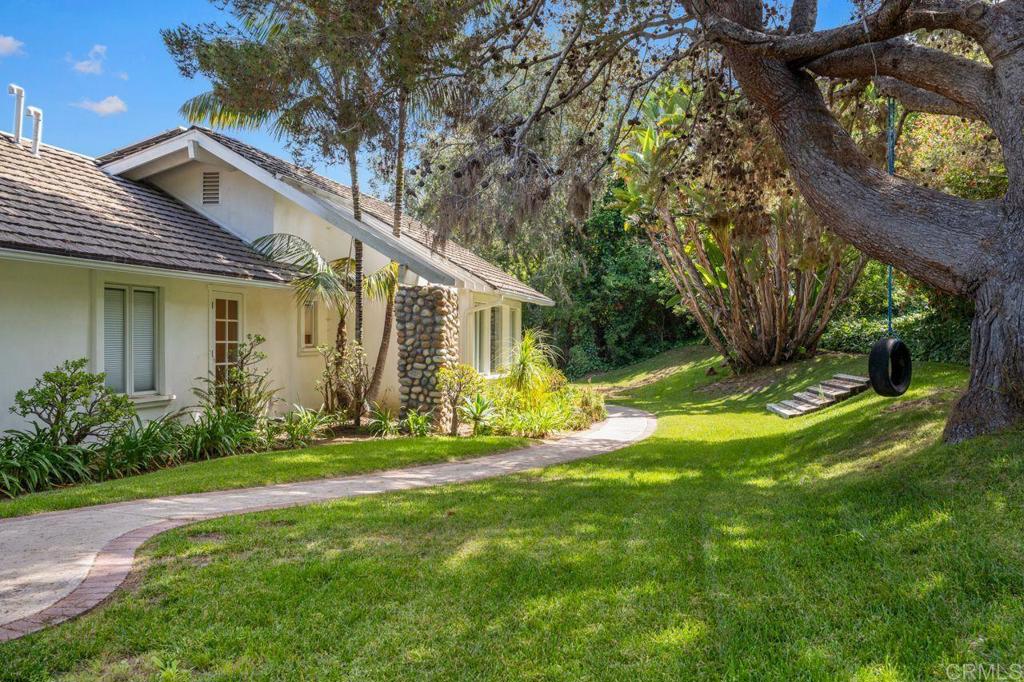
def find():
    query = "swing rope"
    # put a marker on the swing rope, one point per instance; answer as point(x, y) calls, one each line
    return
point(890, 162)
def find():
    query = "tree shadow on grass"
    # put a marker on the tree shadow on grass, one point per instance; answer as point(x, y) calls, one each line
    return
point(827, 547)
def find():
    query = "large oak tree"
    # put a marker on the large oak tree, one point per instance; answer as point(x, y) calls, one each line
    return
point(959, 246)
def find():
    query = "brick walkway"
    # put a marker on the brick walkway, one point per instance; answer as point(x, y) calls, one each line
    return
point(58, 565)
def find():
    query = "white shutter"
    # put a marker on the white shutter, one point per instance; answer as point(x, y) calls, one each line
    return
point(114, 338)
point(143, 341)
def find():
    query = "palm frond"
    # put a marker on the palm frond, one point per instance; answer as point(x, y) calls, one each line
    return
point(207, 108)
point(319, 279)
point(382, 285)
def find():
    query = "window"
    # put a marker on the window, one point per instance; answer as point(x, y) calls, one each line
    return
point(480, 351)
point(497, 340)
point(227, 333)
point(308, 327)
point(211, 187)
point(514, 333)
point(130, 339)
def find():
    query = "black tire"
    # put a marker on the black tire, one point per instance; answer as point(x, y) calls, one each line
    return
point(889, 367)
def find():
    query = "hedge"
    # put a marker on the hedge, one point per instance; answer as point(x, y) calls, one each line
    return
point(929, 337)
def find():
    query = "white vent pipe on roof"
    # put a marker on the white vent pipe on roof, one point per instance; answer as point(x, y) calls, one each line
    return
point(37, 129)
point(19, 109)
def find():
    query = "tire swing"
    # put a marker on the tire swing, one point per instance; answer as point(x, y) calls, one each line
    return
point(889, 364)
point(889, 367)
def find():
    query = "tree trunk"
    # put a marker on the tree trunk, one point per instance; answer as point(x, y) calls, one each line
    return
point(403, 117)
point(995, 397)
point(956, 245)
point(385, 346)
point(454, 432)
point(357, 214)
point(341, 398)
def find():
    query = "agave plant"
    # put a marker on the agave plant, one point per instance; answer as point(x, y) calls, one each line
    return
point(479, 411)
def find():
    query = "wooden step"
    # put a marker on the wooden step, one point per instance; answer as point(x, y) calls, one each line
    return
point(801, 407)
point(782, 411)
point(815, 398)
point(844, 384)
point(831, 391)
point(864, 381)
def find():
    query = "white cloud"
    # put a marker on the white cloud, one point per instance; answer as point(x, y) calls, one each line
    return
point(9, 45)
point(123, 75)
point(94, 64)
point(107, 106)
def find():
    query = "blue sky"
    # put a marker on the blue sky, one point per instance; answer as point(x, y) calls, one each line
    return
point(100, 72)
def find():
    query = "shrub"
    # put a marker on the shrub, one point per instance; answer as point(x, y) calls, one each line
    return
point(242, 388)
point(140, 447)
point(29, 462)
point(455, 384)
point(586, 406)
point(928, 336)
point(478, 411)
point(70, 405)
point(383, 423)
point(218, 432)
point(531, 366)
point(418, 425)
point(536, 399)
point(345, 380)
point(302, 426)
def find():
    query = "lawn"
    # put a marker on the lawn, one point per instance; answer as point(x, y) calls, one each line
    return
point(849, 544)
point(243, 471)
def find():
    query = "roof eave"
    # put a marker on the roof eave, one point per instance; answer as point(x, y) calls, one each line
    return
point(422, 265)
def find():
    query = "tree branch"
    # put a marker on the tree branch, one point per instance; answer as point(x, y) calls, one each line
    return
point(804, 16)
point(940, 239)
point(965, 84)
point(916, 99)
point(894, 18)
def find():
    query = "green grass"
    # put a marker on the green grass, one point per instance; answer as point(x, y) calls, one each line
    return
point(849, 545)
point(265, 468)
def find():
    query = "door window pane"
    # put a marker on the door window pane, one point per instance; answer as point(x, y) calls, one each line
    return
point(227, 334)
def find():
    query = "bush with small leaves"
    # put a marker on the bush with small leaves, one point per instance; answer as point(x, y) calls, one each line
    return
point(70, 405)
point(456, 383)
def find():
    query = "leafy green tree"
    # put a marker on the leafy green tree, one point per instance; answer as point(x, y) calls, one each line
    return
point(756, 269)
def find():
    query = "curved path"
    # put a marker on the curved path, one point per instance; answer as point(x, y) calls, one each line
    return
point(57, 565)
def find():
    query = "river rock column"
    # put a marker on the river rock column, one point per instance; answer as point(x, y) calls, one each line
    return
point(427, 322)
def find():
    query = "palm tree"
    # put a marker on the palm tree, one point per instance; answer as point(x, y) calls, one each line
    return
point(330, 281)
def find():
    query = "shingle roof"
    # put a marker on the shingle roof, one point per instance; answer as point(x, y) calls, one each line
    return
point(63, 204)
point(414, 229)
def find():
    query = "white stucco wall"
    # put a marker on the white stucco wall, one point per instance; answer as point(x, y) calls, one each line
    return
point(50, 314)
point(249, 210)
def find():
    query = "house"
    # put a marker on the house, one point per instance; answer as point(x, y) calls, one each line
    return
point(139, 260)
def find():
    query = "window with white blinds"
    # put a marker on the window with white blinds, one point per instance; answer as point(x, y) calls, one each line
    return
point(130, 339)
point(114, 341)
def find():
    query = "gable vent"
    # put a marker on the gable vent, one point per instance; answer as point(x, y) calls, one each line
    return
point(211, 187)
